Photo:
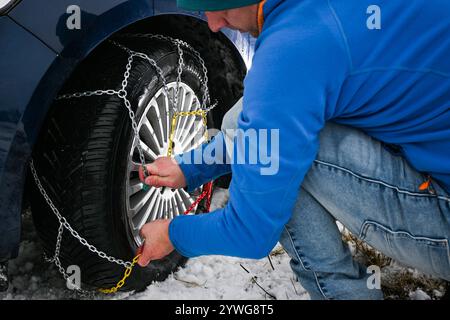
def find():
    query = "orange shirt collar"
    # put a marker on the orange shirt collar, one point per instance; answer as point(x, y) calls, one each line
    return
point(261, 15)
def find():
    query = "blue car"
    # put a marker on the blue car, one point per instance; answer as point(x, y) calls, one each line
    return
point(73, 75)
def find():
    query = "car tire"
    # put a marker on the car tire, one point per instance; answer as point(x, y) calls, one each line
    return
point(82, 157)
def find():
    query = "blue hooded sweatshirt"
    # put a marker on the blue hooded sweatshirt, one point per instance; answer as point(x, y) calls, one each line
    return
point(328, 60)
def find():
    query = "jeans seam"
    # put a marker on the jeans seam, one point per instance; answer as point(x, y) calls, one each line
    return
point(303, 266)
point(379, 182)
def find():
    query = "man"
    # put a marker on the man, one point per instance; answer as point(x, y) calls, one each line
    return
point(361, 97)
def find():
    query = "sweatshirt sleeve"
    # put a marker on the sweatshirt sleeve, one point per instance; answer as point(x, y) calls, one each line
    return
point(205, 163)
point(290, 91)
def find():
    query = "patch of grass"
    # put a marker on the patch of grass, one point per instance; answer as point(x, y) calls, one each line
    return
point(277, 251)
point(397, 282)
point(364, 253)
point(402, 283)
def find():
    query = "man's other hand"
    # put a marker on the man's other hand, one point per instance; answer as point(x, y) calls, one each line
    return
point(157, 244)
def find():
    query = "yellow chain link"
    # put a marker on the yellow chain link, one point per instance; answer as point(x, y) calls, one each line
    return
point(121, 283)
point(201, 113)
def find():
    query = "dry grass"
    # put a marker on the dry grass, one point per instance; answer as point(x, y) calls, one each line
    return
point(403, 284)
point(277, 251)
point(365, 253)
point(397, 282)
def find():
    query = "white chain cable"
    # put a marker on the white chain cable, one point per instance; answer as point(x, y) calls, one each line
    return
point(123, 94)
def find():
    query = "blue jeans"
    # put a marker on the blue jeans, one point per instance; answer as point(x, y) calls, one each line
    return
point(374, 194)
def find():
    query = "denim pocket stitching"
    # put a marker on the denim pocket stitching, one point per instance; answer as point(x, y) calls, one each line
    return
point(430, 241)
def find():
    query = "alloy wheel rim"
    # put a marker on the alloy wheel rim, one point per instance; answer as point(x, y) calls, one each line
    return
point(154, 203)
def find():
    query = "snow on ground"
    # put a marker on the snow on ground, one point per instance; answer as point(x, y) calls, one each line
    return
point(217, 277)
point(209, 277)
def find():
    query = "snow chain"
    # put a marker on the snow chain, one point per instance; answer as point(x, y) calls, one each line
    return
point(123, 94)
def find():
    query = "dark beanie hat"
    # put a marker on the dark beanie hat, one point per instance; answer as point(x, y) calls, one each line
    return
point(213, 5)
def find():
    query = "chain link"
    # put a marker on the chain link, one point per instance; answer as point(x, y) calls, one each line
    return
point(109, 92)
point(121, 282)
point(123, 94)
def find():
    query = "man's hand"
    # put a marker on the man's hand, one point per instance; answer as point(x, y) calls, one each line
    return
point(157, 244)
point(164, 172)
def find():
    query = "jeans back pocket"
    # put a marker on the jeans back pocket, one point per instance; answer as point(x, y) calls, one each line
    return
point(429, 255)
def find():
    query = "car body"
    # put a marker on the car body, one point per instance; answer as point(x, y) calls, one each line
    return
point(37, 55)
